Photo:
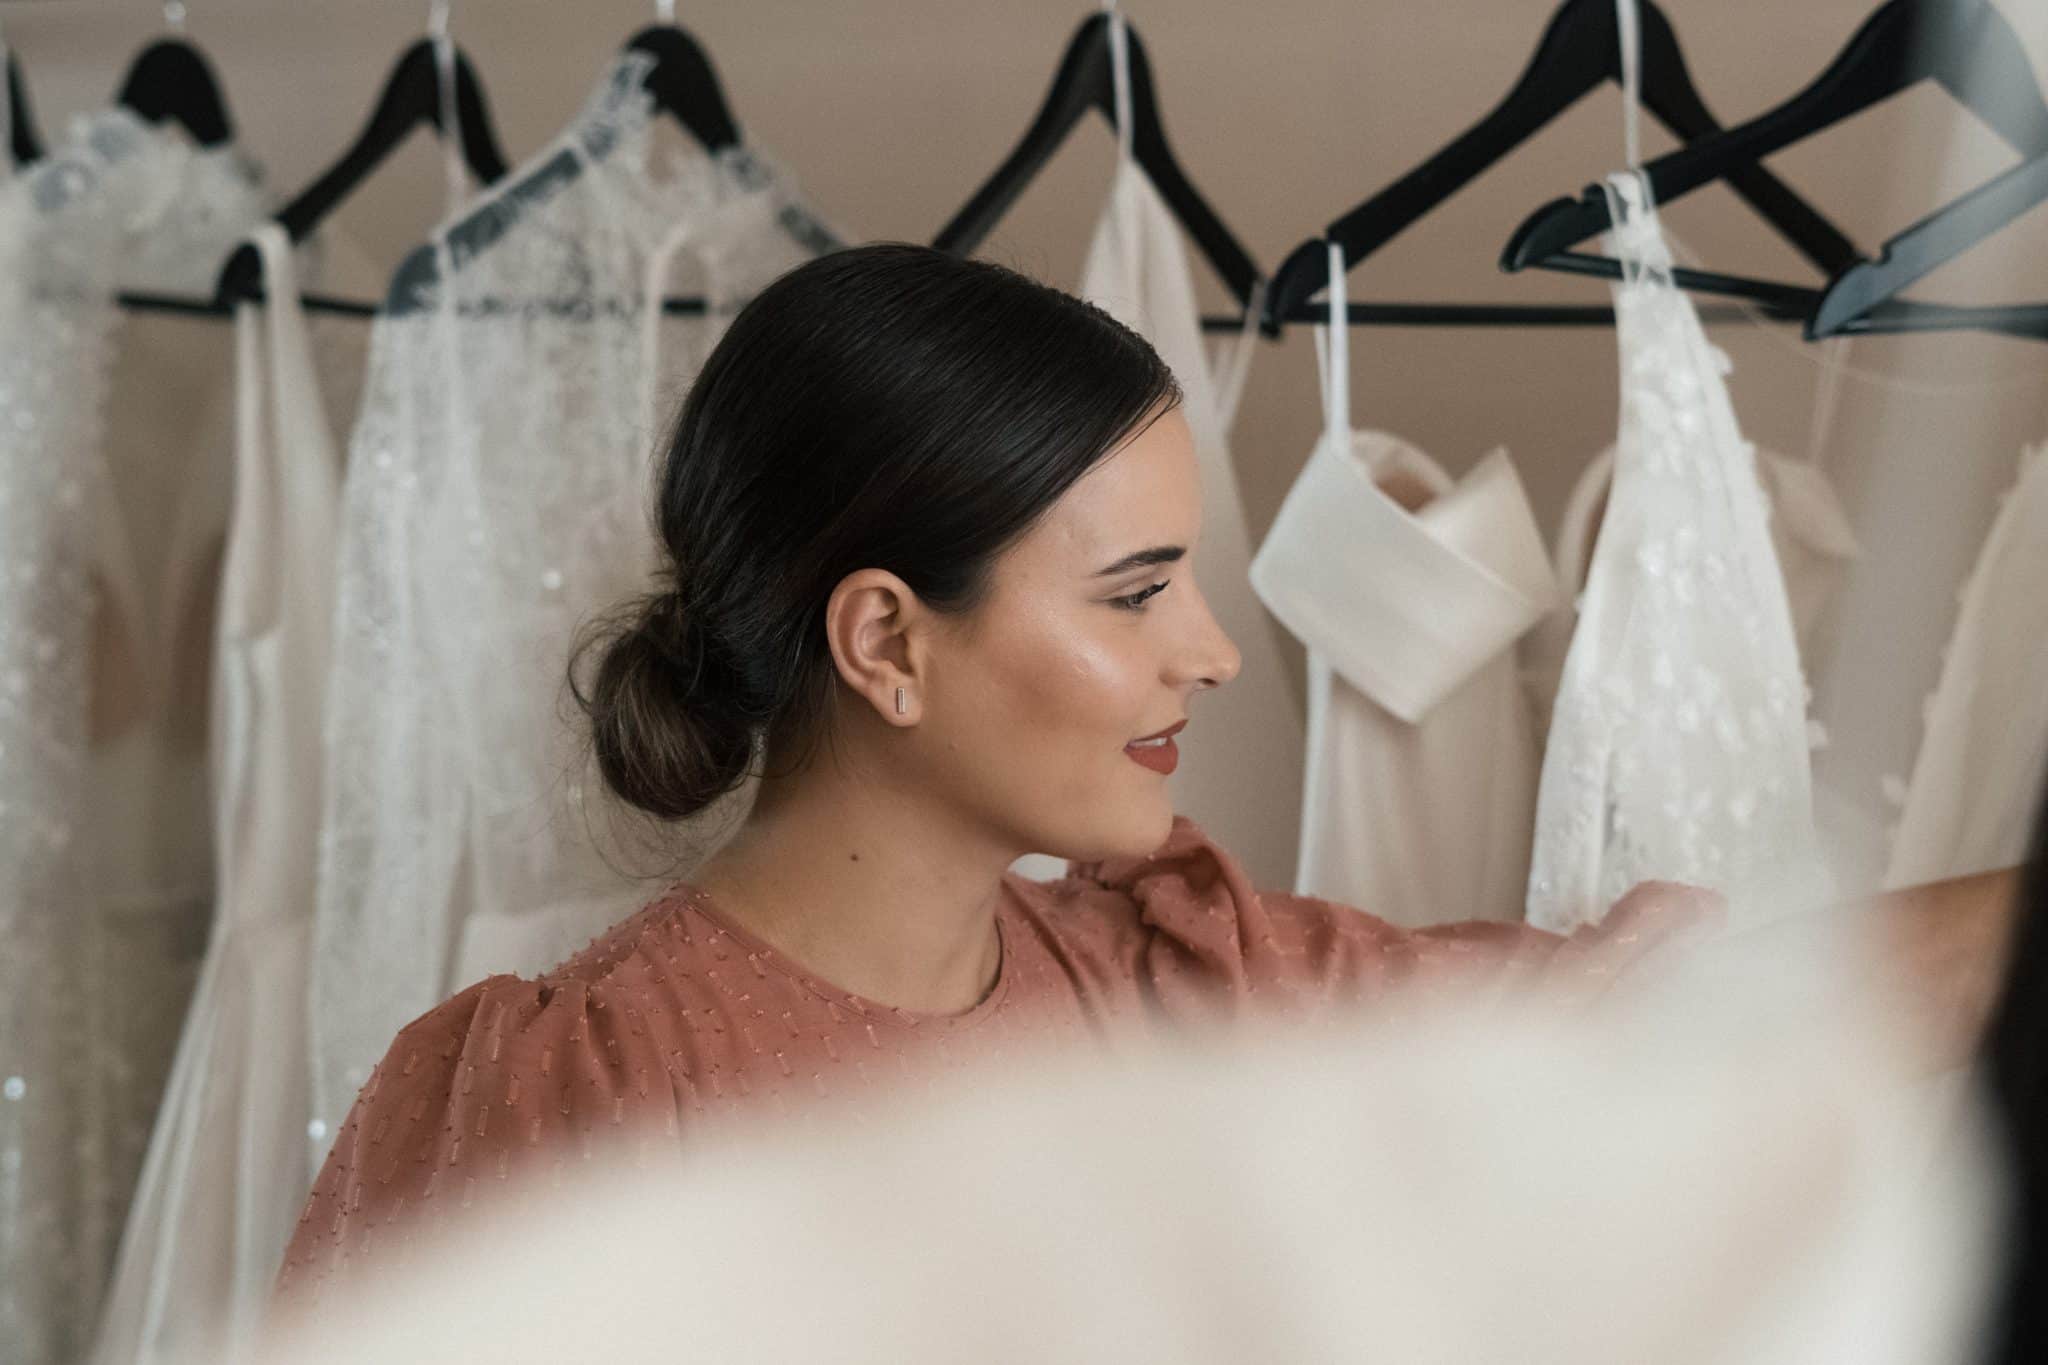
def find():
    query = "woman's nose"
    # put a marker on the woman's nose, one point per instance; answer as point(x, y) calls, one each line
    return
point(1219, 659)
point(1226, 666)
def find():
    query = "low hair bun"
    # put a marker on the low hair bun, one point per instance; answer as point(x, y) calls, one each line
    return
point(670, 727)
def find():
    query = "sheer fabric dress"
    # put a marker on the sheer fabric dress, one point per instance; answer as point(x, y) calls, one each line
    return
point(104, 592)
point(1678, 746)
point(497, 498)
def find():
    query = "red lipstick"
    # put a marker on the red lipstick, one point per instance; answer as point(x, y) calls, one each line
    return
point(1157, 751)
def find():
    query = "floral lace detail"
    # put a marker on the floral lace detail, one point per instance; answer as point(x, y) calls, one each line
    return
point(117, 202)
point(497, 499)
point(1678, 747)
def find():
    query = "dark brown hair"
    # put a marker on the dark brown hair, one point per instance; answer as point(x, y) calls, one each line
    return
point(888, 406)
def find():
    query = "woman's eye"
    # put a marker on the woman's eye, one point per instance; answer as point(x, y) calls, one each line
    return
point(1136, 601)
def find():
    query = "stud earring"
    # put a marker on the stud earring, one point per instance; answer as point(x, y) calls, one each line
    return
point(902, 706)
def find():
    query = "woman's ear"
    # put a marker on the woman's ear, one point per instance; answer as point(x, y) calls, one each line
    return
point(873, 626)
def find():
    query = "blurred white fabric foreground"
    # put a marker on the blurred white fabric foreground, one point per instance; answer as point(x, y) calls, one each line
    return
point(1731, 1162)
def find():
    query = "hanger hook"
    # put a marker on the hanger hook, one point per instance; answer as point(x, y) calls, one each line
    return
point(665, 11)
point(174, 15)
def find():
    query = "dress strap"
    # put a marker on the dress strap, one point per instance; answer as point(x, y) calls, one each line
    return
point(1636, 239)
point(1120, 77)
point(1234, 357)
point(452, 167)
point(1628, 29)
point(1333, 353)
point(1128, 224)
point(270, 345)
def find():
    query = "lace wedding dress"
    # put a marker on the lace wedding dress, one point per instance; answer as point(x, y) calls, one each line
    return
point(1678, 747)
point(109, 520)
point(1816, 546)
point(496, 500)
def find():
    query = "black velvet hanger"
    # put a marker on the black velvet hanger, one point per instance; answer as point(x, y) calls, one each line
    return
point(1086, 80)
point(171, 79)
point(23, 143)
point(411, 98)
point(1579, 52)
point(1965, 46)
point(685, 85)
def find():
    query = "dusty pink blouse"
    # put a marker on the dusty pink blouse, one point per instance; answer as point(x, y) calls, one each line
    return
point(676, 1019)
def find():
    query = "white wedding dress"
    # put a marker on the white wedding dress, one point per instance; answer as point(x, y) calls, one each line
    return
point(1983, 761)
point(1409, 590)
point(497, 500)
point(228, 1167)
point(1810, 534)
point(110, 508)
point(1925, 522)
point(1240, 768)
point(1678, 746)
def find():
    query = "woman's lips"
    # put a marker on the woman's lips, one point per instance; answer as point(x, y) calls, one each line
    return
point(1157, 751)
point(1160, 758)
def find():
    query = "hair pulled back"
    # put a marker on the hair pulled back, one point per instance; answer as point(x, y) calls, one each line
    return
point(888, 406)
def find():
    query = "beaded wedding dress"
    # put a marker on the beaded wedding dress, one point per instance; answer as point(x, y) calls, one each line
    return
point(496, 501)
point(110, 522)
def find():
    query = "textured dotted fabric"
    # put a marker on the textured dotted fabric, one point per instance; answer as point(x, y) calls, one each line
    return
point(677, 1020)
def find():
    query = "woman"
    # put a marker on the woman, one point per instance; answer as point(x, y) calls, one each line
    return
point(931, 532)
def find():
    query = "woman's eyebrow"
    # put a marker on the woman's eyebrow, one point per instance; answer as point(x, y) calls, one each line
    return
point(1158, 554)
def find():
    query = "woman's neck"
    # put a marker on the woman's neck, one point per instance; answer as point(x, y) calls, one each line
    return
point(867, 888)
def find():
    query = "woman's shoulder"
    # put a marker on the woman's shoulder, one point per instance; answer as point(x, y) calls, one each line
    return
point(567, 1018)
point(555, 1000)
point(508, 1072)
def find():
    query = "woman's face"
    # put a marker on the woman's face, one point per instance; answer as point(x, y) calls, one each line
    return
point(1094, 636)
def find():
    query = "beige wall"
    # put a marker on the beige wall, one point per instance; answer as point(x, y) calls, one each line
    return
point(1285, 113)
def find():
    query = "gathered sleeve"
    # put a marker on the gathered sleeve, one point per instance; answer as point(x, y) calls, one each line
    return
point(499, 1084)
point(1213, 943)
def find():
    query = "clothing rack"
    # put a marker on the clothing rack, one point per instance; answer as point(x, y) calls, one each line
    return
point(139, 302)
point(1492, 315)
point(1558, 64)
point(1360, 314)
